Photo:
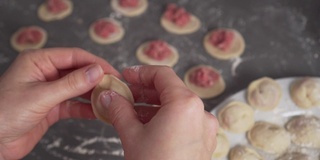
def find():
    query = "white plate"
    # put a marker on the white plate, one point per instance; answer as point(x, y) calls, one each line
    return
point(279, 115)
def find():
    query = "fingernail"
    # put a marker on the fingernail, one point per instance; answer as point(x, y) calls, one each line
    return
point(105, 99)
point(93, 73)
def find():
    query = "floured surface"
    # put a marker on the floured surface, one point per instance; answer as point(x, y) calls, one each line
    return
point(280, 115)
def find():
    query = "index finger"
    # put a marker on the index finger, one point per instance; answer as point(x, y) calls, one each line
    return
point(163, 79)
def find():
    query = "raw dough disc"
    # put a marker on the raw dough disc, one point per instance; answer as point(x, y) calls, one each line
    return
point(210, 92)
point(19, 47)
point(115, 37)
point(236, 117)
point(130, 12)
point(305, 131)
point(240, 152)
point(223, 145)
point(305, 92)
point(264, 94)
point(47, 16)
point(236, 49)
point(170, 61)
point(109, 82)
point(191, 27)
point(269, 137)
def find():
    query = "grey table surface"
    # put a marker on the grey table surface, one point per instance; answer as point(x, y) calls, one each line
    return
point(282, 40)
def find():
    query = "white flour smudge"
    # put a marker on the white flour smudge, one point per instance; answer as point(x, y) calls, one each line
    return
point(235, 63)
point(54, 144)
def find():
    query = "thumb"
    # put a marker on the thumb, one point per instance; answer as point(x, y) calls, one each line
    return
point(120, 112)
point(73, 84)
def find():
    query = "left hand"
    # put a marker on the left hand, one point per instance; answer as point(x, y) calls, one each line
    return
point(35, 93)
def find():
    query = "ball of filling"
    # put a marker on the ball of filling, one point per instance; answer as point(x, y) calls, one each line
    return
point(104, 28)
point(56, 6)
point(177, 15)
point(204, 77)
point(29, 36)
point(158, 50)
point(221, 39)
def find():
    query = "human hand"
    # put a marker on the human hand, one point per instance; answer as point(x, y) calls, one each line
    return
point(35, 93)
point(180, 130)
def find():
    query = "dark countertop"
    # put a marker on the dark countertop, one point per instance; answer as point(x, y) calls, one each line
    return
point(282, 40)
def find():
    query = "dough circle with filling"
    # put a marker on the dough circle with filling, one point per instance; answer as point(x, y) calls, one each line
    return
point(109, 82)
point(130, 12)
point(236, 117)
point(269, 137)
point(169, 61)
point(47, 16)
point(213, 91)
point(191, 27)
point(114, 37)
point(223, 145)
point(264, 94)
point(20, 47)
point(236, 48)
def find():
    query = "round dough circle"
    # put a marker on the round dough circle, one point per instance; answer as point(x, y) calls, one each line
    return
point(305, 131)
point(240, 152)
point(115, 37)
point(236, 49)
point(19, 47)
point(191, 27)
point(305, 92)
point(223, 145)
point(109, 82)
point(269, 137)
point(130, 12)
point(236, 117)
point(204, 93)
point(264, 94)
point(170, 61)
point(47, 16)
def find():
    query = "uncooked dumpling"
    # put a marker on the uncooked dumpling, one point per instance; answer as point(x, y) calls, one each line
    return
point(293, 156)
point(269, 137)
point(223, 145)
point(264, 94)
point(109, 82)
point(240, 152)
point(55, 10)
point(130, 8)
point(305, 131)
point(236, 117)
point(106, 31)
point(305, 92)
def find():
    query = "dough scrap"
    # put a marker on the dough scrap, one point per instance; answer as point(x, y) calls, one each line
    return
point(47, 16)
point(264, 94)
point(236, 49)
point(236, 117)
point(240, 152)
point(304, 130)
point(204, 93)
point(115, 37)
point(191, 27)
point(130, 12)
point(109, 82)
point(170, 61)
point(19, 47)
point(305, 92)
point(223, 145)
point(269, 137)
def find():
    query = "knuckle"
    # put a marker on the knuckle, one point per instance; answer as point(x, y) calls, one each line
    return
point(72, 82)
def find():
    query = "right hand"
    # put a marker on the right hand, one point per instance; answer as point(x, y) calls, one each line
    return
point(181, 129)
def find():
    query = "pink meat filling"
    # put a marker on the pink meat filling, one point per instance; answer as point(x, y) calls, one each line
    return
point(222, 39)
point(29, 36)
point(177, 15)
point(56, 6)
point(158, 50)
point(104, 28)
point(204, 77)
point(128, 3)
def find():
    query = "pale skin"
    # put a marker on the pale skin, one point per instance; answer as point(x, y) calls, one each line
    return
point(35, 93)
